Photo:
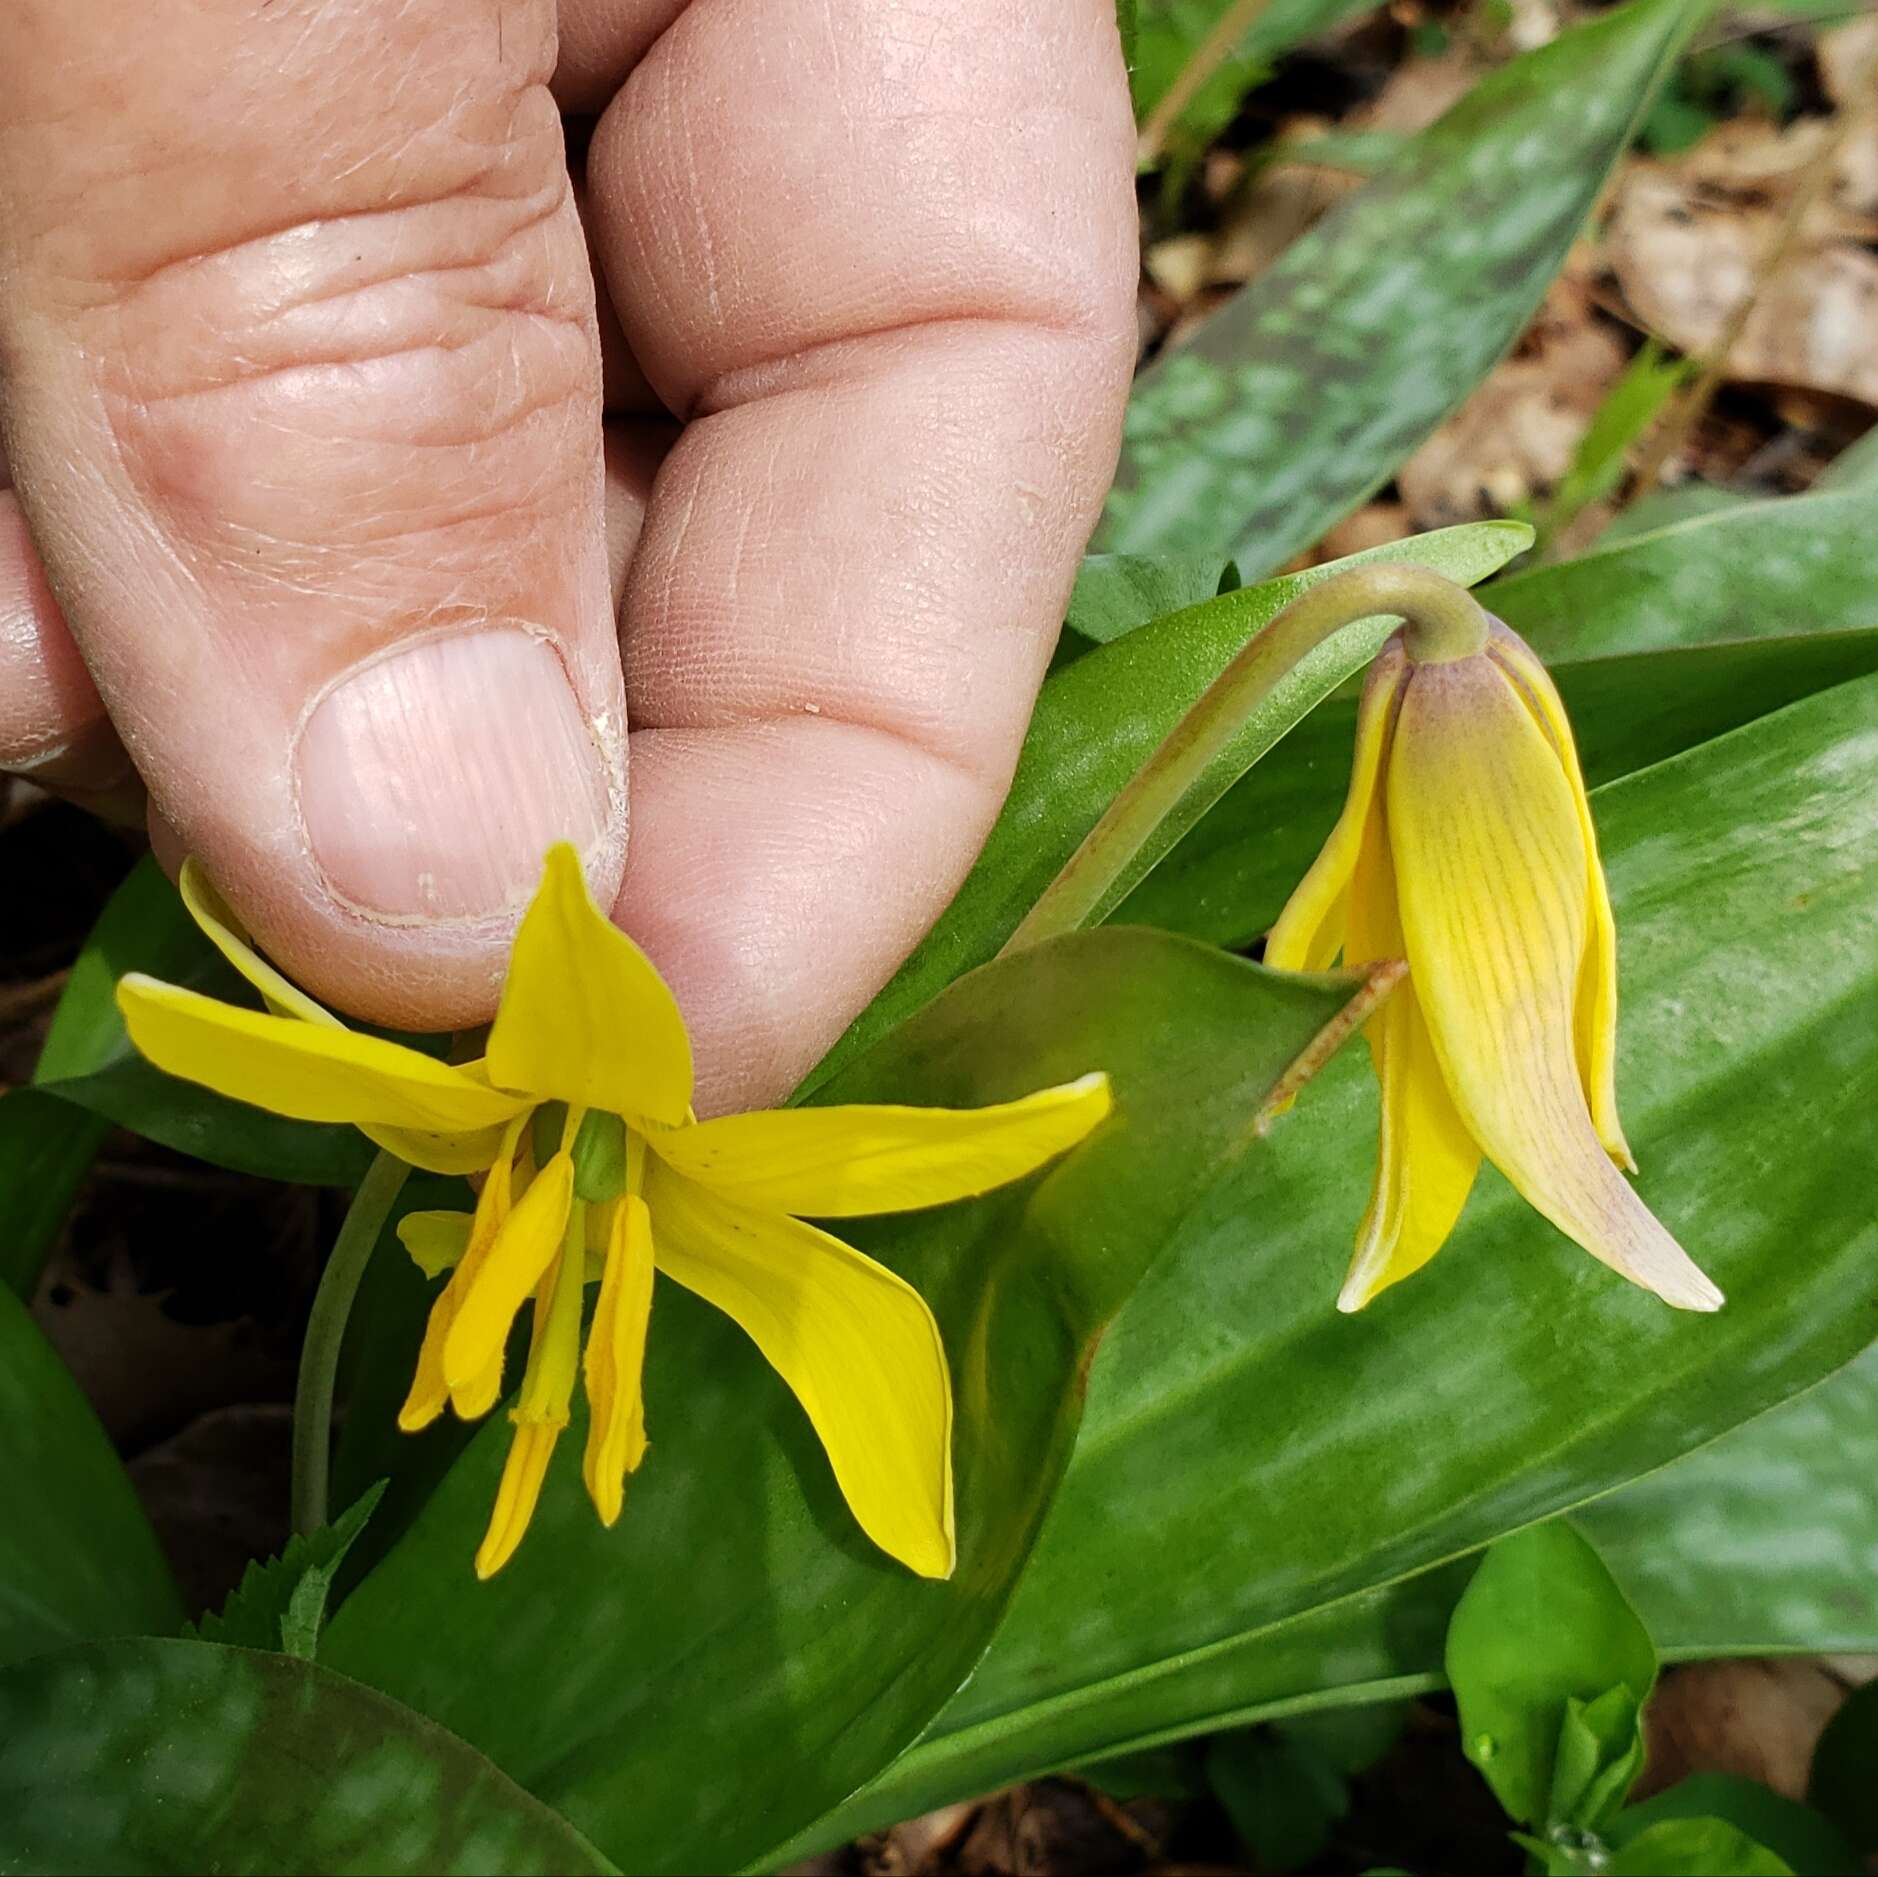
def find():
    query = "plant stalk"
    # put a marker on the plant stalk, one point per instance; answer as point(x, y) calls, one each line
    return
point(1444, 622)
point(325, 1332)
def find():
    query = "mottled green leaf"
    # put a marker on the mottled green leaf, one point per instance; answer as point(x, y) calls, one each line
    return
point(1795, 1833)
point(1294, 1461)
point(1316, 381)
point(1115, 593)
point(182, 1756)
point(1695, 1847)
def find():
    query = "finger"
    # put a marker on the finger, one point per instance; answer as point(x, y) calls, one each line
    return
point(302, 398)
point(892, 288)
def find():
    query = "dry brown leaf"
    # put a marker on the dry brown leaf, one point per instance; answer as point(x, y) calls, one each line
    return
point(1516, 436)
point(1685, 265)
point(1757, 1719)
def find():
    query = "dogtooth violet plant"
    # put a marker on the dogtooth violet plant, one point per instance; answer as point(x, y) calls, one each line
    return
point(1466, 851)
point(1463, 876)
point(579, 1118)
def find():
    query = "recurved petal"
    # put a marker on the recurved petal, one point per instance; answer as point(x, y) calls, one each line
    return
point(1311, 930)
point(229, 936)
point(838, 1162)
point(856, 1344)
point(1426, 1160)
point(1595, 1020)
point(523, 1249)
point(1493, 877)
point(615, 1361)
point(309, 1071)
point(584, 1017)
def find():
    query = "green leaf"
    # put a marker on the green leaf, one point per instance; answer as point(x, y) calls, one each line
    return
point(1798, 564)
point(46, 1149)
point(1542, 1624)
point(1284, 1799)
point(181, 1756)
point(1841, 1783)
point(88, 1059)
point(1096, 722)
point(736, 1617)
point(1115, 593)
point(1297, 1462)
point(1764, 1541)
point(1794, 1833)
point(1695, 1847)
point(1761, 574)
point(281, 1604)
point(1314, 383)
point(77, 1556)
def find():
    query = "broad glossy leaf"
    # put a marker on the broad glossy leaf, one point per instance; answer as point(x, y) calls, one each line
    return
point(181, 1756)
point(1543, 1638)
point(736, 1618)
point(1293, 1461)
point(46, 1149)
point(1803, 1838)
point(1794, 581)
point(1797, 564)
point(1096, 722)
point(1695, 1847)
point(1316, 381)
point(77, 1557)
point(89, 1062)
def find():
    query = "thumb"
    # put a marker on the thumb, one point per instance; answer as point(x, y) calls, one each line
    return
point(302, 401)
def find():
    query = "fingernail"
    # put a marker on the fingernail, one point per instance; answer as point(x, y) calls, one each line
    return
point(432, 782)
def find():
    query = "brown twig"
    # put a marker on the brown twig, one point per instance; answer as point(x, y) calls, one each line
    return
point(1208, 56)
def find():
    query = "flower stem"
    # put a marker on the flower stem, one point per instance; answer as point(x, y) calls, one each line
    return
point(1443, 622)
point(325, 1331)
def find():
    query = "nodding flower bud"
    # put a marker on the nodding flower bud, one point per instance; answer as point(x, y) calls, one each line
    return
point(1466, 847)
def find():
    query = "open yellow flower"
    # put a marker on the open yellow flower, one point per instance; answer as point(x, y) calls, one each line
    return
point(1466, 846)
point(581, 1113)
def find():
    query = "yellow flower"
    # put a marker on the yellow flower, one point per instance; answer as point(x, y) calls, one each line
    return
point(1466, 846)
point(581, 1113)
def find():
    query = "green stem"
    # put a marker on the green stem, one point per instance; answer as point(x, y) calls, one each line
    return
point(1444, 622)
point(326, 1330)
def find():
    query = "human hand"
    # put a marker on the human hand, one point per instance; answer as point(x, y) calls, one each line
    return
point(301, 386)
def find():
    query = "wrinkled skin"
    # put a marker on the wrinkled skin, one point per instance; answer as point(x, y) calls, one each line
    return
point(349, 527)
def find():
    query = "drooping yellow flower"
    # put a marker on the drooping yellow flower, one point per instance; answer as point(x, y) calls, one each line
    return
point(580, 1111)
point(1466, 847)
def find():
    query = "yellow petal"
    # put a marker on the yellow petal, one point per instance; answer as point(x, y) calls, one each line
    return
point(837, 1162)
point(1311, 930)
point(518, 1494)
point(856, 1344)
point(616, 1353)
point(523, 1249)
point(584, 1018)
point(1493, 879)
point(1425, 1164)
point(434, 1152)
point(229, 936)
point(1596, 1022)
point(305, 1070)
point(436, 1241)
